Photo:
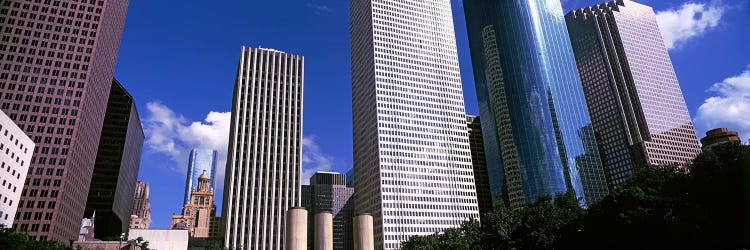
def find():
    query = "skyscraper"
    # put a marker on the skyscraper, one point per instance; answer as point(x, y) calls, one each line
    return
point(141, 217)
point(476, 141)
point(637, 107)
point(264, 161)
point(200, 160)
point(57, 60)
point(328, 192)
point(531, 102)
point(117, 163)
point(15, 155)
point(412, 162)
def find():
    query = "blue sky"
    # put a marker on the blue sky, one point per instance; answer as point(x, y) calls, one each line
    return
point(178, 59)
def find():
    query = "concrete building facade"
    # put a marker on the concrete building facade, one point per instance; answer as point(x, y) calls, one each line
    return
point(141, 215)
point(412, 159)
point(264, 165)
point(118, 161)
point(161, 239)
point(57, 61)
point(638, 111)
point(16, 150)
point(328, 192)
point(199, 212)
point(719, 136)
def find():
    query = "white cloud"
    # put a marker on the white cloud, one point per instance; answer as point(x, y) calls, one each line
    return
point(319, 8)
point(173, 135)
point(313, 158)
point(688, 21)
point(729, 108)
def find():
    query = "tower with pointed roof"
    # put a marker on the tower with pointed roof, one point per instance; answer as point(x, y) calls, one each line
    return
point(198, 212)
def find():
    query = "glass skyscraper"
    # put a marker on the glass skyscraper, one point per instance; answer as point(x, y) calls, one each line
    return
point(534, 119)
point(639, 113)
point(412, 159)
point(200, 160)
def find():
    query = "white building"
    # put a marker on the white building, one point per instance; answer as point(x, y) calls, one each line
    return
point(16, 149)
point(264, 160)
point(161, 239)
point(412, 160)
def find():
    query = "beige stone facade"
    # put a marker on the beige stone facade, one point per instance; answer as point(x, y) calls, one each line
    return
point(199, 211)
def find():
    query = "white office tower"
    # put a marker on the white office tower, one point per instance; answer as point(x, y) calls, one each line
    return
point(16, 149)
point(262, 178)
point(412, 162)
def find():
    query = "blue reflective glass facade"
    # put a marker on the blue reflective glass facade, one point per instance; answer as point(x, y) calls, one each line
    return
point(200, 160)
point(537, 130)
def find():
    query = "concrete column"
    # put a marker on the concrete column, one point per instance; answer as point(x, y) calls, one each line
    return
point(296, 229)
point(363, 238)
point(324, 231)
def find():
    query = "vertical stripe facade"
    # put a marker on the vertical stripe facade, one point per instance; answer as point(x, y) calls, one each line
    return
point(262, 178)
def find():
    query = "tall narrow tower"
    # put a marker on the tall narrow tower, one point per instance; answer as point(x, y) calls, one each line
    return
point(535, 124)
point(412, 161)
point(264, 159)
point(201, 160)
point(636, 104)
point(57, 60)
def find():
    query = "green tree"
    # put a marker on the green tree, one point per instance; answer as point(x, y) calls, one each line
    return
point(538, 226)
point(11, 240)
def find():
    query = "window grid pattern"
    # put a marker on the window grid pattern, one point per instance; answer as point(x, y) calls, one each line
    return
point(262, 179)
point(632, 88)
point(15, 156)
point(484, 196)
point(537, 130)
point(413, 168)
point(57, 59)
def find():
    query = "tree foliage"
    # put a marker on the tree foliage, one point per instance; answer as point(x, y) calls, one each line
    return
point(10, 240)
point(659, 207)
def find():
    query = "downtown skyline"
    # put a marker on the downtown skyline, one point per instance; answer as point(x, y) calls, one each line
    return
point(329, 85)
point(570, 100)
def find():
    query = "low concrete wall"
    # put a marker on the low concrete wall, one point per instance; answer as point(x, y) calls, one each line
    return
point(162, 239)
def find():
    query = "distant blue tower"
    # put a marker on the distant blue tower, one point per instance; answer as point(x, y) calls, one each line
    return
point(200, 160)
point(537, 129)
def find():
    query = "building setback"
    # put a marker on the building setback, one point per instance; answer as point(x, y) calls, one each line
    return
point(200, 160)
point(265, 142)
point(117, 163)
point(412, 159)
point(638, 110)
point(533, 110)
point(328, 192)
point(484, 195)
point(15, 156)
point(57, 60)
point(141, 215)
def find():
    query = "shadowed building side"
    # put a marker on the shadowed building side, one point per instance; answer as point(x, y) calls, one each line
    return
point(117, 164)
